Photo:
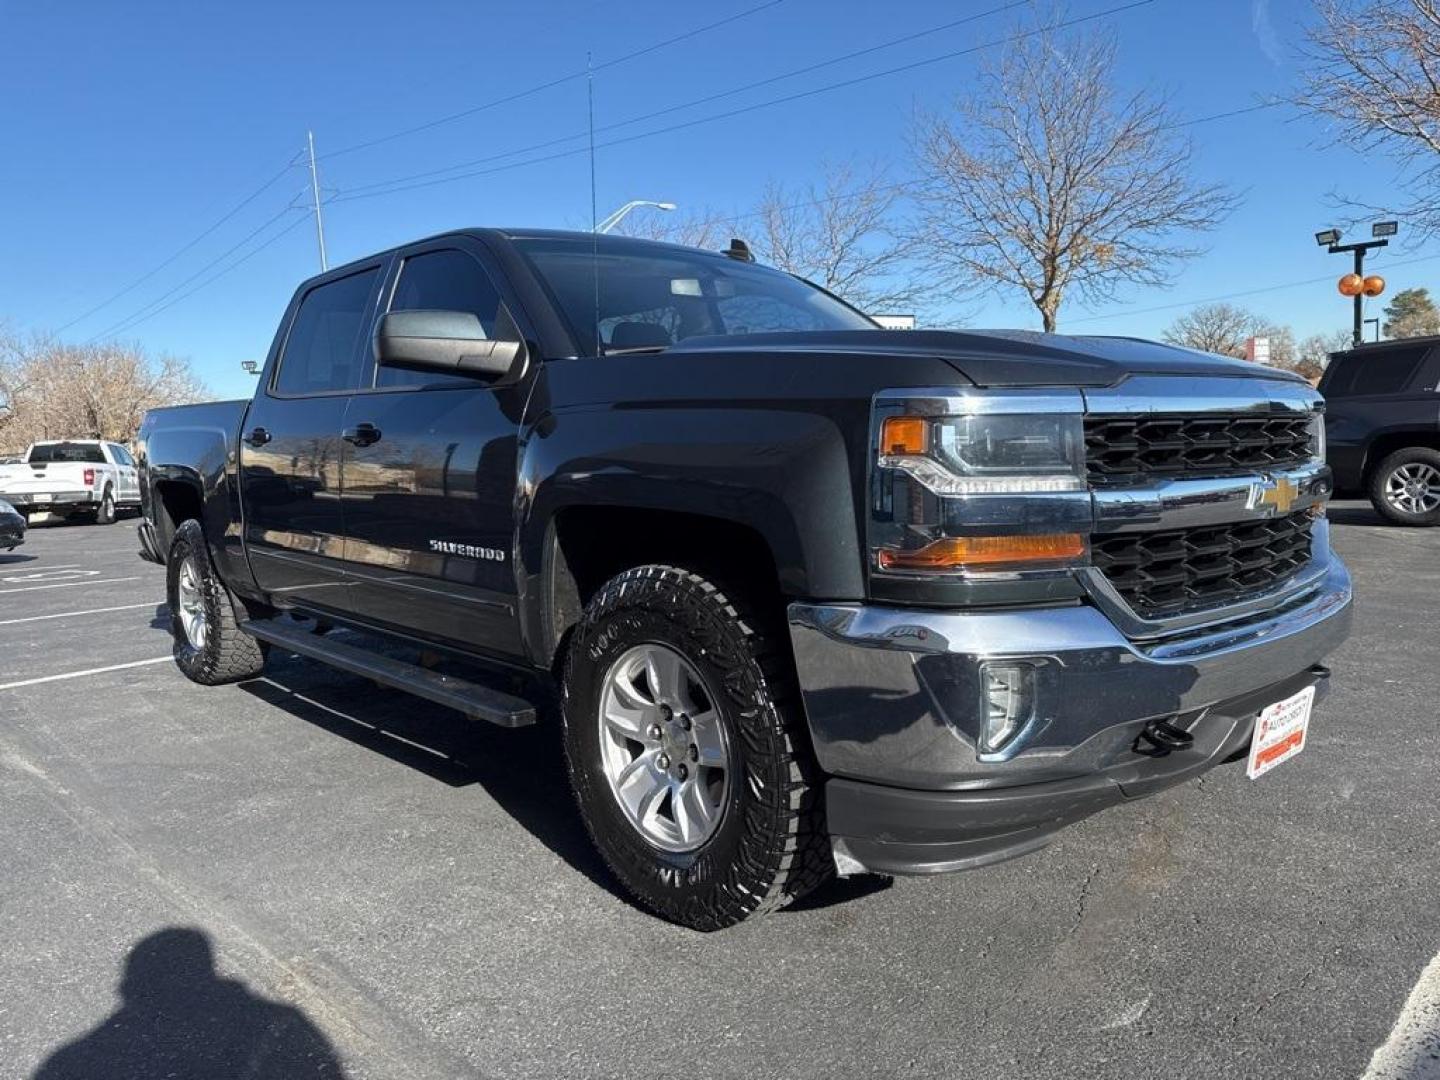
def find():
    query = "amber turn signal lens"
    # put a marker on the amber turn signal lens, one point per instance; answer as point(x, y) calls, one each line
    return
point(905, 435)
point(958, 552)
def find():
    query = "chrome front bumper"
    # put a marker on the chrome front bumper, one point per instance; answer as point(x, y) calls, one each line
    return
point(893, 695)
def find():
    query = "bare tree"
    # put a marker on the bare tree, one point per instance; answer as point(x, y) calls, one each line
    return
point(50, 390)
point(1314, 353)
point(1216, 328)
point(841, 233)
point(1374, 74)
point(701, 229)
point(1050, 181)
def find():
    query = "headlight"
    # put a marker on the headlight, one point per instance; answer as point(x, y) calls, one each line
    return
point(979, 483)
point(987, 454)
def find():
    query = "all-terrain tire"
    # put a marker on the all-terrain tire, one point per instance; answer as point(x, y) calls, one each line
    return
point(227, 654)
point(1422, 462)
point(770, 845)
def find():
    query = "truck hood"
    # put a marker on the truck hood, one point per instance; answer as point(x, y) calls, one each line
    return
point(1003, 357)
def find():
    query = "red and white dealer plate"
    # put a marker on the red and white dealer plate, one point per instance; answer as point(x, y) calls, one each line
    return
point(1280, 732)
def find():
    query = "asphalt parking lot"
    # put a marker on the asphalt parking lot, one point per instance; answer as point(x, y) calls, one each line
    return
point(390, 891)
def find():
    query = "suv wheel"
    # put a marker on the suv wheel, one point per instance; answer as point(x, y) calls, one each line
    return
point(1405, 488)
point(210, 648)
point(687, 754)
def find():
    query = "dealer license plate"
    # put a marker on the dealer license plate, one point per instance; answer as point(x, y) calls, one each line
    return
point(1280, 732)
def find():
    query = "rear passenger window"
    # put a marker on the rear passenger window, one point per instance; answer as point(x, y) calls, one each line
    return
point(447, 280)
point(1381, 372)
point(322, 352)
point(121, 455)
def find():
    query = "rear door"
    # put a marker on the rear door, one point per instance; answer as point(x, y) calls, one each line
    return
point(429, 470)
point(290, 440)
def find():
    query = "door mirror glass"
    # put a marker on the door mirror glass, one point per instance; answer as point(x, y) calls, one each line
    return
point(445, 341)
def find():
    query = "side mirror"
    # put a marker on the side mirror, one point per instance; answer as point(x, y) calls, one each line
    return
point(448, 341)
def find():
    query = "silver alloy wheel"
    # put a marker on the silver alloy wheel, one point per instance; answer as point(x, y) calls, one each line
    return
point(1414, 488)
point(663, 747)
point(192, 603)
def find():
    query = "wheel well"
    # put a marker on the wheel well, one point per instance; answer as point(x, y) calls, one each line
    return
point(1385, 445)
point(593, 544)
point(178, 503)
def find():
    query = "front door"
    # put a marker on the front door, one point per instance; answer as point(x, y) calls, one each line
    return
point(429, 464)
point(290, 443)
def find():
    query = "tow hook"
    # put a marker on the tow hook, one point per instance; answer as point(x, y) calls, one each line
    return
point(1165, 737)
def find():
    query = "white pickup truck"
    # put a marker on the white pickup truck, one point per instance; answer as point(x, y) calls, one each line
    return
point(73, 476)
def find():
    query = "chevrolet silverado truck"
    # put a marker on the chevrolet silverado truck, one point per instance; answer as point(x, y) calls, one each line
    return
point(805, 596)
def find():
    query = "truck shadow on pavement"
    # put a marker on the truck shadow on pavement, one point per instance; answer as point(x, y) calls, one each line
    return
point(522, 769)
point(178, 1018)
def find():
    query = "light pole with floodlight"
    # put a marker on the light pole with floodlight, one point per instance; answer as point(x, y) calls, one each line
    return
point(615, 218)
point(1356, 284)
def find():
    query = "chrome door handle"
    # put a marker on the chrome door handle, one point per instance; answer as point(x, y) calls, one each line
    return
point(361, 434)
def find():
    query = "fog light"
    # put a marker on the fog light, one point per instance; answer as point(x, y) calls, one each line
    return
point(1009, 701)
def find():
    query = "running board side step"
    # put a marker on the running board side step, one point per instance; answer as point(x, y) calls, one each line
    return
point(479, 702)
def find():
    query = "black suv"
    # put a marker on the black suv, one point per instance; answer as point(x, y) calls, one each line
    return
point(1383, 427)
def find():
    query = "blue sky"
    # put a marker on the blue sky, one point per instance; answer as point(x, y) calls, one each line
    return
point(130, 128)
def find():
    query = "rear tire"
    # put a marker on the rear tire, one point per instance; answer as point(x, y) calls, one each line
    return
point(1405, 487)
point(210, 648)
point(105, 512)
point(759, 840)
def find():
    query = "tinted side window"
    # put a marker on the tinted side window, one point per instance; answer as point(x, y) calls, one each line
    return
point(441, 281)
point(1381, 372)
point(121, 455)
point(322, 352)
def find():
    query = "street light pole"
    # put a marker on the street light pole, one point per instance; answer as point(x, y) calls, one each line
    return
point(615, 218)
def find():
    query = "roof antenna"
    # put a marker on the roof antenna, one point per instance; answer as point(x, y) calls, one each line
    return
point(594, 211)
point(740, 250)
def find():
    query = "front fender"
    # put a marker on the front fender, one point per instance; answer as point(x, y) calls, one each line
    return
point(783, 473)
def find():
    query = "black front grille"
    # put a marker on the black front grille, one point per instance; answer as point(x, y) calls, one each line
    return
point(1168, 573)
point(1132, 449)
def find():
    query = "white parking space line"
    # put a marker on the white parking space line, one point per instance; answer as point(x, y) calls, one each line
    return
point(67, 585)
point(6, 575)
point(82, 674)
point(76, 614)
point(1412, 1052)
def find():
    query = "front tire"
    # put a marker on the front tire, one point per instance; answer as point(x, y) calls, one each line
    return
point(210, 648)
point(1405, 487)
point(687, 752)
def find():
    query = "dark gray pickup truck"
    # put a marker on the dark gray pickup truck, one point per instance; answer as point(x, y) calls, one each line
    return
point(807, 596)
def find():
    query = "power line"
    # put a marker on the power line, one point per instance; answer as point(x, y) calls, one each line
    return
point(190, 244)
point(408, 183)
point(571, 77)
point(145, 312)
point(770, 80)
point(1237, 295)
point(221, 273)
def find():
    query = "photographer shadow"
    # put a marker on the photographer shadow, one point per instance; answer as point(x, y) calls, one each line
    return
point(178, 1018)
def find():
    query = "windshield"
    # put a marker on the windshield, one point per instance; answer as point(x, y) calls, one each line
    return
point(651, 297)
point(89, 453)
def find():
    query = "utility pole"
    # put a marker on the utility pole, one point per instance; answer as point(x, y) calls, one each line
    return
point(315, 194)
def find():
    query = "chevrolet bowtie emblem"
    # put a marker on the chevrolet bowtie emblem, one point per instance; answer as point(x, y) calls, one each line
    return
point(1276, 495)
